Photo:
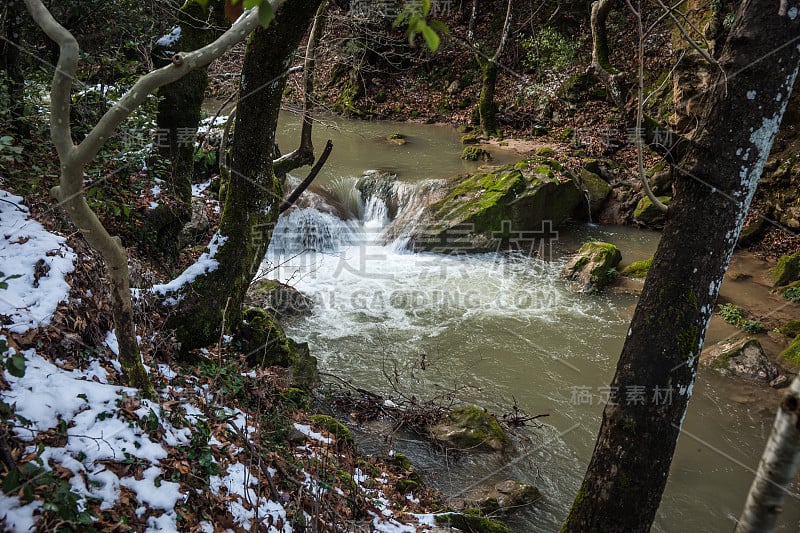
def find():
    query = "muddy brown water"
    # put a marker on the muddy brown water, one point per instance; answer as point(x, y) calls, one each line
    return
point(496, 330)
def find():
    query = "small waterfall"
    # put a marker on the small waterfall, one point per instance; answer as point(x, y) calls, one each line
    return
point(588, 204)
point(376, 209)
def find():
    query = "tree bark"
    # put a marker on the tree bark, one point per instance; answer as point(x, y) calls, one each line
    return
point(179, 110)
point(487, 110)
point(73, 159)
point(777, 468)
point(717, 179)
point(254, 194)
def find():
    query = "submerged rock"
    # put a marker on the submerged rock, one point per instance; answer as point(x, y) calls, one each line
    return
point(593, 267)
point(471, 428)
point(504, 496)
point(742, 358)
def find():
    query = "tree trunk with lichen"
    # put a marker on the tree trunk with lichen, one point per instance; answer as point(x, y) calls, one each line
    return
point(73, 159)
point(487, 109)
point(716, 182)
point(254, 194)
point(179, 109)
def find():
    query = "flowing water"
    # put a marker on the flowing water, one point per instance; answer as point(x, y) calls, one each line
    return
point(497, 330)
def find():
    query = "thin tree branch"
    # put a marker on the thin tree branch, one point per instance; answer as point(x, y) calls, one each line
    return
point(292, 198)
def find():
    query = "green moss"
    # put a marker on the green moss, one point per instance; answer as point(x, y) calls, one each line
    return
point(471, 427)
point(471, 521)
point(545, 151)
point(332, 426)
point(792, 353)
point(596, 186)
point(629, 424)
point(791, 328)
point(470, 138)
point(601, 258)
point(473, 153)
point(787, 270)
point(637, 269)
point(648, 214)
point(297, 397)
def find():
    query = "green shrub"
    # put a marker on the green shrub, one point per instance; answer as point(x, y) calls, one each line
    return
point(792, 294)
point(731, 313)
point(548, 49)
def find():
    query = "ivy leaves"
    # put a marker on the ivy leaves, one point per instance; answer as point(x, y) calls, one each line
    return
point(415, 14)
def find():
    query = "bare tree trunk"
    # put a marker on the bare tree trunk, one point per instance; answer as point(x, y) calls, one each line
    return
point(254, 194)
point(74, 158)
point(718, 177)
point(777, 468)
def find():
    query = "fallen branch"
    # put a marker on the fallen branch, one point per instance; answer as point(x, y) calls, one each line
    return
point(292, 198)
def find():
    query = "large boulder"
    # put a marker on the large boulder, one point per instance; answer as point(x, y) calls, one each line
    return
point(489, 209)
point(593, 267)
point(283, 301)
point(471, 428)
point(742, 358)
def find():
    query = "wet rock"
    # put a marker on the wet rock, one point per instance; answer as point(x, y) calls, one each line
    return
point(471, 428)
point(593, 267)
point(596, 189)
point(504, 496)
point(473, 153)
point(283, 301)
point(782, 381)
point(742, 358)
point(647, 214)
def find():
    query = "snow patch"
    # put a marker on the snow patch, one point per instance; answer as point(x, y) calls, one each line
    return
point(40, 259)
point(205, 263)
point(170, 38)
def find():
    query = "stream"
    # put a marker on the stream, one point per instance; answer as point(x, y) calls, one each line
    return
point(495, 330)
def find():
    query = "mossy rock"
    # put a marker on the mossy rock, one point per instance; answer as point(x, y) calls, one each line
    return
point(282, 301)
point(299, 398)
point(581, 87)
point(791, 328)
point(637, 269)
point(792, 353)
point(470, 138)
point(787, 270)
point(410, 480)
point(593, 266)
point(545, 151)
point(265, 343)
point(473, 153)
point(470, 428)
point(481, 210)
point(597, 189)
point(332, 426)
point(471, 521)
point(507, 496)
point(648, 214)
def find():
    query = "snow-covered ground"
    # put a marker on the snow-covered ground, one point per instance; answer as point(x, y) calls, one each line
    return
point(115, 448)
